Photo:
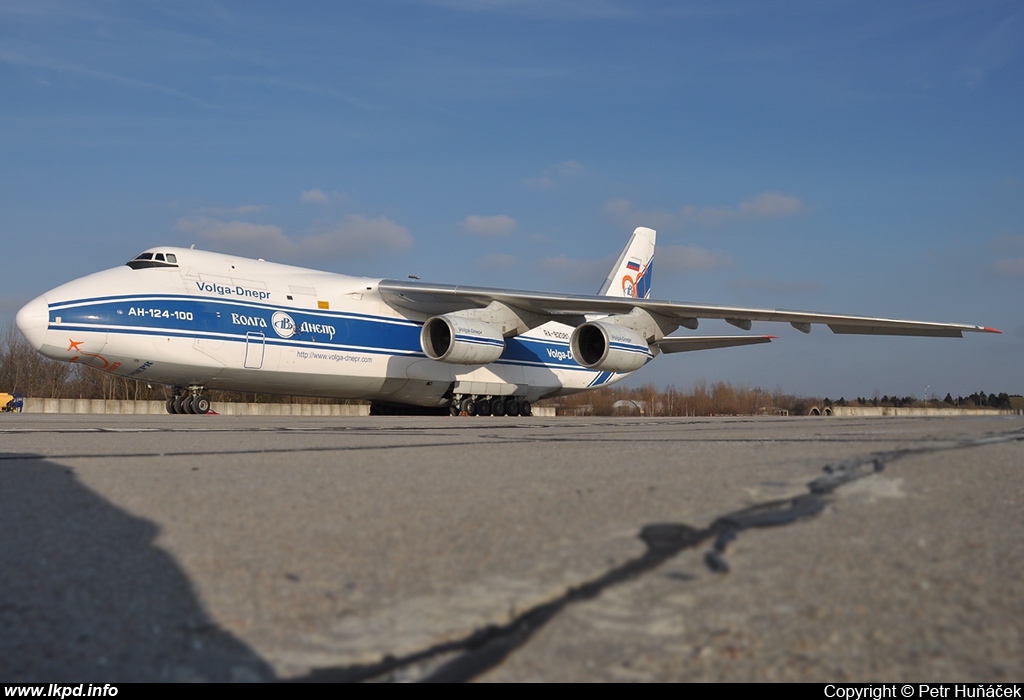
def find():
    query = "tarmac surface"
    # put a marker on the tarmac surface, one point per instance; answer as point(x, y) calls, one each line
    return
point(138, 548)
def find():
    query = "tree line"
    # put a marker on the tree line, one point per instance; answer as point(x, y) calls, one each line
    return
point(723, 399)
point(703, 399)
point(978, 399)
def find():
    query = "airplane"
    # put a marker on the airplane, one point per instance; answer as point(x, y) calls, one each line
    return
point(196, 320)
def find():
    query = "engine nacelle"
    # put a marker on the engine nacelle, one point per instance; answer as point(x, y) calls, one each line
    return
point(609, 348)
point(461, 340)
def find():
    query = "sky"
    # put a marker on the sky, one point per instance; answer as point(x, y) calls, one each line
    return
point(861, 157)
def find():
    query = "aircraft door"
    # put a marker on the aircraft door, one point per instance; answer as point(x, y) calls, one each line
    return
point(255, 345)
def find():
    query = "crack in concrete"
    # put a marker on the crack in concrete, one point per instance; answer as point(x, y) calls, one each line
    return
point(483, 649)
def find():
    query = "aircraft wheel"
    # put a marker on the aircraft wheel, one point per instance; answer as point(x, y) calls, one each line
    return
point(170, 405)
point(468, 406)
point(454, 409)
point(498, 407)
point(512, 407)
point(179, 404)
point(201, 404)
point(525, 409)
point(188, 405)
point(483, 407)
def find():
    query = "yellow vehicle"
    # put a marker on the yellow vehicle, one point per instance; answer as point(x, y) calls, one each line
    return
point(11, 403)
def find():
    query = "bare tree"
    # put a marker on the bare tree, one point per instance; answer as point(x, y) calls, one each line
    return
point(24, 370)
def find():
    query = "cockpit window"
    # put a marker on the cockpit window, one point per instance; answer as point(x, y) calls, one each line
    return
point(144, 260)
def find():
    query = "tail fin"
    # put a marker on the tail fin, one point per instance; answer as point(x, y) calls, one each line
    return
point(631, 274)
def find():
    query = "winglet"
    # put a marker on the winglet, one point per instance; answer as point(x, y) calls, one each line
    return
point(991, 330)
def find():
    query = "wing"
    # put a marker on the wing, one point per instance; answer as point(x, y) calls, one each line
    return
point(431, 299)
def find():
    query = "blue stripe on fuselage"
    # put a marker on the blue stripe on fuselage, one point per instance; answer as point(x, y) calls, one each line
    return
point(187, 316)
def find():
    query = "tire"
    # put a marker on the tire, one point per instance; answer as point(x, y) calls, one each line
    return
point(512, 408)
point(525, 409)
point(188, 405)
point(179, 404)
point(468, 406)
point(483, 407)
point(170, 405)
point(498, 407)
point(201, 404)
point(454, 409)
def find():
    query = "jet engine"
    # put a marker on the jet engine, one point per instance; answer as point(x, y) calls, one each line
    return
point(461, 340)
point(608, 347)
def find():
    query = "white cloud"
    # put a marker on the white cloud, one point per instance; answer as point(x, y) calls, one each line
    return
point(689, 258)
point(576, 272)
point(355, 236)
point(587, 273)
point(359, 236)
point(263, 240)
point(1009, 267)
point(566, 9)
point(767, 205)
point(773, 286)
point(243, 210)
point(316, 196)
point(623, 211)
point(498, 225)
point(497, 260)
point(1008, 242)
point(556, 173)
point(620, 206)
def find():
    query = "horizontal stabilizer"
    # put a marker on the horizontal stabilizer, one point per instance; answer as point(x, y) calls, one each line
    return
point(709, 342)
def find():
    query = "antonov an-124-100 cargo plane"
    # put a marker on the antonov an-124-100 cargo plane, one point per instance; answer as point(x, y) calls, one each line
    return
point(196, 320)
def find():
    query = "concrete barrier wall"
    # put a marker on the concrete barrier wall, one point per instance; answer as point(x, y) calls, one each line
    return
point(118, 407)
point(290, 409)
point(921, 411)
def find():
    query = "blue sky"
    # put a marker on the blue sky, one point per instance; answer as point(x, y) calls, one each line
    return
point(854, 157)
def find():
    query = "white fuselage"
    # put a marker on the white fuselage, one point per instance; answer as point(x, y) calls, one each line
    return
point(231, 323)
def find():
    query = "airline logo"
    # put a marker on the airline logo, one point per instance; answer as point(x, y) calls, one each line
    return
point(283, 324)
point(640, 286)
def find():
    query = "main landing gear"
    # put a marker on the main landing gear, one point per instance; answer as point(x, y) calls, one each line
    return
point(489, 406)
point(189, 400)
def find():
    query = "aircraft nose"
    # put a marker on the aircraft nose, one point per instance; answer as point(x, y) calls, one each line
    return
point(33, 320)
